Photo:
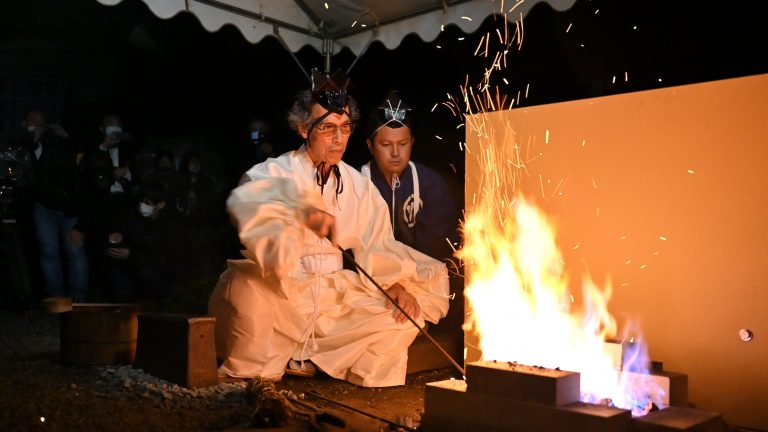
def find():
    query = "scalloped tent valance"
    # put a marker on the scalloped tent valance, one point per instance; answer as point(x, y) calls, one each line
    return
point(331, 25)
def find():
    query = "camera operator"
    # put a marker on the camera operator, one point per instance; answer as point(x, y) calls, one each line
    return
point(107, 168)
point(117, 145)
point(59, 198)
point(254, 147)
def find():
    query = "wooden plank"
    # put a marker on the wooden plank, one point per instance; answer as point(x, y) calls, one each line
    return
point(178, 348)
point(423, 355)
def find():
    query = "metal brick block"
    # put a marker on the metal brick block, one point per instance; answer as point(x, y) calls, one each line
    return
point(677, 419)
point(449, 406)
point(523, 383)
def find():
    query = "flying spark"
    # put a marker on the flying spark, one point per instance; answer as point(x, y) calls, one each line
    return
point(433, 108)
point(642, 267)
point(569, 28)
point(546, 137)
point(690, 171)
point(326, 5)
point(466, 18)
point(662, 238)
point(354, 23)
point(626, 76)
point(519, 2)
point(477, 50)
point(628, 262)
point(505, 81)
point(450, 244)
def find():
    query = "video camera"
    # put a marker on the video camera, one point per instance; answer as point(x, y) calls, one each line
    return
point(12, 163)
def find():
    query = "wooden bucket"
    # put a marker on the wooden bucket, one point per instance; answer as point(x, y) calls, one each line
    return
point(99, 334)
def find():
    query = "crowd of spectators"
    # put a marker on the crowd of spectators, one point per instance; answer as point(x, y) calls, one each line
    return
point(102, 227)
point(112, 218)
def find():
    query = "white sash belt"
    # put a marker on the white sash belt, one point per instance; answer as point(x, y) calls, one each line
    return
point(322, 263)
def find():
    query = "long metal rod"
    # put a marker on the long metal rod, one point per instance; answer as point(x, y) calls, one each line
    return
point(391, 300)
point(389, 422)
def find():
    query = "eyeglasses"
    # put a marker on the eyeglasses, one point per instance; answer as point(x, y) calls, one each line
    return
point(329, 130)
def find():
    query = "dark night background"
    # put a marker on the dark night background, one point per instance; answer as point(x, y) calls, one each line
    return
point(172, 80)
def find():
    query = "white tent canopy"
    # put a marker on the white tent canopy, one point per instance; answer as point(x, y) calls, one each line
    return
point(331, 25)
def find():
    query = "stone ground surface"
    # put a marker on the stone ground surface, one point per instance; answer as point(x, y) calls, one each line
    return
point(38, 393)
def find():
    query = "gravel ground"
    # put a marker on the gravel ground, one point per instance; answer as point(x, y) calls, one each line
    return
point(39, 393)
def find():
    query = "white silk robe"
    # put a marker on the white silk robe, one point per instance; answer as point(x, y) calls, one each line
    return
point(290, 298)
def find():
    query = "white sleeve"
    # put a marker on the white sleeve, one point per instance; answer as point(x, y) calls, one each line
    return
point(269, 215)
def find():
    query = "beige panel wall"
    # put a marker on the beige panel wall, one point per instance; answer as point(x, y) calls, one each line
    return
point(689, 164)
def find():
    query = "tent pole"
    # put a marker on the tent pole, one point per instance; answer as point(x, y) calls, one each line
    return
point(276, 33)
point(374, 33)
point(327, 52)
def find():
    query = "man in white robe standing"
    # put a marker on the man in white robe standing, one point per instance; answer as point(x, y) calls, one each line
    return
point(290, 303)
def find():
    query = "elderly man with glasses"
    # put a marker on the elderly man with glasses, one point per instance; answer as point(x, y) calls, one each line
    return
point(290, 305)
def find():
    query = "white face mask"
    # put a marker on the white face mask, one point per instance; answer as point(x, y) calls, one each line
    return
point(109, 130)
point(146, 210)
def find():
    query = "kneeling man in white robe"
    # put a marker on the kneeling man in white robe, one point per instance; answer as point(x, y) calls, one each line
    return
point(290, 299)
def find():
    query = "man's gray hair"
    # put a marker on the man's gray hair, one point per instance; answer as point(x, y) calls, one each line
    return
point(300, 114)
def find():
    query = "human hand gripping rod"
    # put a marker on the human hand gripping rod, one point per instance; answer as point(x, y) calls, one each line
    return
point(391, 300)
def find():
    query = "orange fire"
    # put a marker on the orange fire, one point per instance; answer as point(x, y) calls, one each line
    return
point(520, 305)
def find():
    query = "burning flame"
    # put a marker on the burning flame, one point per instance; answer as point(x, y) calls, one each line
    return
point(520, 304)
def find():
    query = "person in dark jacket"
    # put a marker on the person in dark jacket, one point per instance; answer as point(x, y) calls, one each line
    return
point(421, 206)
point(145, 252)
point(60, 197)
